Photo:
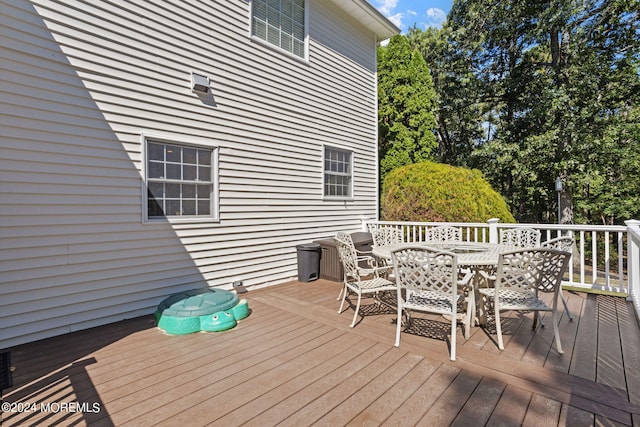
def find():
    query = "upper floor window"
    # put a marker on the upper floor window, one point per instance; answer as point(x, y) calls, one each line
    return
point(338, 173)
point(181, 181)
point(280, 23)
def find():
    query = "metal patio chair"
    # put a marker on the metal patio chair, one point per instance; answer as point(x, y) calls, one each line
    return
point(357, 278)
point(443, 233)
point(427, 281)
point(387, 236)
point(520, 237)
point(520, 276)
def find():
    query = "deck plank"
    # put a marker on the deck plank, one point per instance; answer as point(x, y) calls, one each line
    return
point(630, 330)
point(542, 412)
point(511, 408)
point(290, 405)
point(413, 409)
point(329, 362)
point(450, 402)
point(396, 395)
point(212, 378)
point(375, 389)
point(586, 343)
point(609, 370)
point(481, 404)
point(572, 416)
point(342, 391)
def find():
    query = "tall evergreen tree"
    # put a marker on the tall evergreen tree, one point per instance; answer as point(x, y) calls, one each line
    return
point(406, 121)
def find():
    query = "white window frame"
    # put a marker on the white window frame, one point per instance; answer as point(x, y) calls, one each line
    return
point(264, 41)
point(213, 179)
point(334, 163)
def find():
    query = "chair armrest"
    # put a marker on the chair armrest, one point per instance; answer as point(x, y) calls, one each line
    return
point(468, 276)
point(488, 279)
point(371, 260)
point(373, 270)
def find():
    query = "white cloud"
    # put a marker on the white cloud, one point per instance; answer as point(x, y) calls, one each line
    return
point(435, 17)
point(396, 19)
point(387, 6)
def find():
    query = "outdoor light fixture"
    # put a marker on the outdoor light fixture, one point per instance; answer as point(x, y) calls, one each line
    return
point(199, 83)
point(558, 184)
point(559, 190)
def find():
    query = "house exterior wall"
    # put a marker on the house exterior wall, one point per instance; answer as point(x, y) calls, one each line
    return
point(82, 81)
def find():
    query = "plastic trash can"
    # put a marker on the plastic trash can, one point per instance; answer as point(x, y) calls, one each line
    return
point(308, 262)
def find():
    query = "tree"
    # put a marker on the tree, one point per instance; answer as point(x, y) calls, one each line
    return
point(560, 80)
point(458, 113)
point(405, 106)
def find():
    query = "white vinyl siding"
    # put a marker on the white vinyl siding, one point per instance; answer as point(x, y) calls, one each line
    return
point(83, 80)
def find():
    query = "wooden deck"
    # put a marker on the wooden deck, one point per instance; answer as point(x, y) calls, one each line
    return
point(294, 361)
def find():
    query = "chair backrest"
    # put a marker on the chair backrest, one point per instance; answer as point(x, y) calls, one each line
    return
point(520, 237)
point(562, 243)
point(444, 233)
point(347, 253)
point(556, 264)
point(531, 269)
point(387, 236)
point(421, 268)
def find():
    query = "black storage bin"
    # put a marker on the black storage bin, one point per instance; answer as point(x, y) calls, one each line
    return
point(362, 240)
point(308, 262)
point(330, 264)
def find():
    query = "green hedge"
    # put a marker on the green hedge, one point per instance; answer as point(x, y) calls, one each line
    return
point(430, 191)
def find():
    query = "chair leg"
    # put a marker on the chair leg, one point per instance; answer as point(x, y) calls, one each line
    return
point(454, 321)
point(355, 315)
point(469, 315)
point(343, 292)
point(498, 327)
point(340, 294)
point(398, 326)
point(556, 332)
point(566, 308)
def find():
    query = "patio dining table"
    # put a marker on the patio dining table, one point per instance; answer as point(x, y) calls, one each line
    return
point(470, 254)
point(476, 256)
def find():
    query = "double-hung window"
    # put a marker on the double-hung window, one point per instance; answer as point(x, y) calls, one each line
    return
point(181, 181)
point(280, 23)
point(338, 173)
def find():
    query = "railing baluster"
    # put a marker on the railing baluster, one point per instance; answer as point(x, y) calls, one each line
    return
point(607, 265)
point(582, 237)
point(620, 260)
point(594, 258)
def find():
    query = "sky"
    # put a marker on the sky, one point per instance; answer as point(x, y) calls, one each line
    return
point(405, 13)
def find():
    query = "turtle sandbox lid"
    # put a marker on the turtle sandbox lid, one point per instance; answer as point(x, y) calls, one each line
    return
point(209, 310)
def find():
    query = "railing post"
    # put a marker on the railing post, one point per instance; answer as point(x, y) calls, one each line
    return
point(493, 230)
point(633, 262)
point(363, 223)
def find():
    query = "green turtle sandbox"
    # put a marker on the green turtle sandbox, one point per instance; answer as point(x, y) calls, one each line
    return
point(209, 310)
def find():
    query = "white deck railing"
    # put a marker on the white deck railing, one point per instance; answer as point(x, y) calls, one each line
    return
point(633, 263)
point(605, 258)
